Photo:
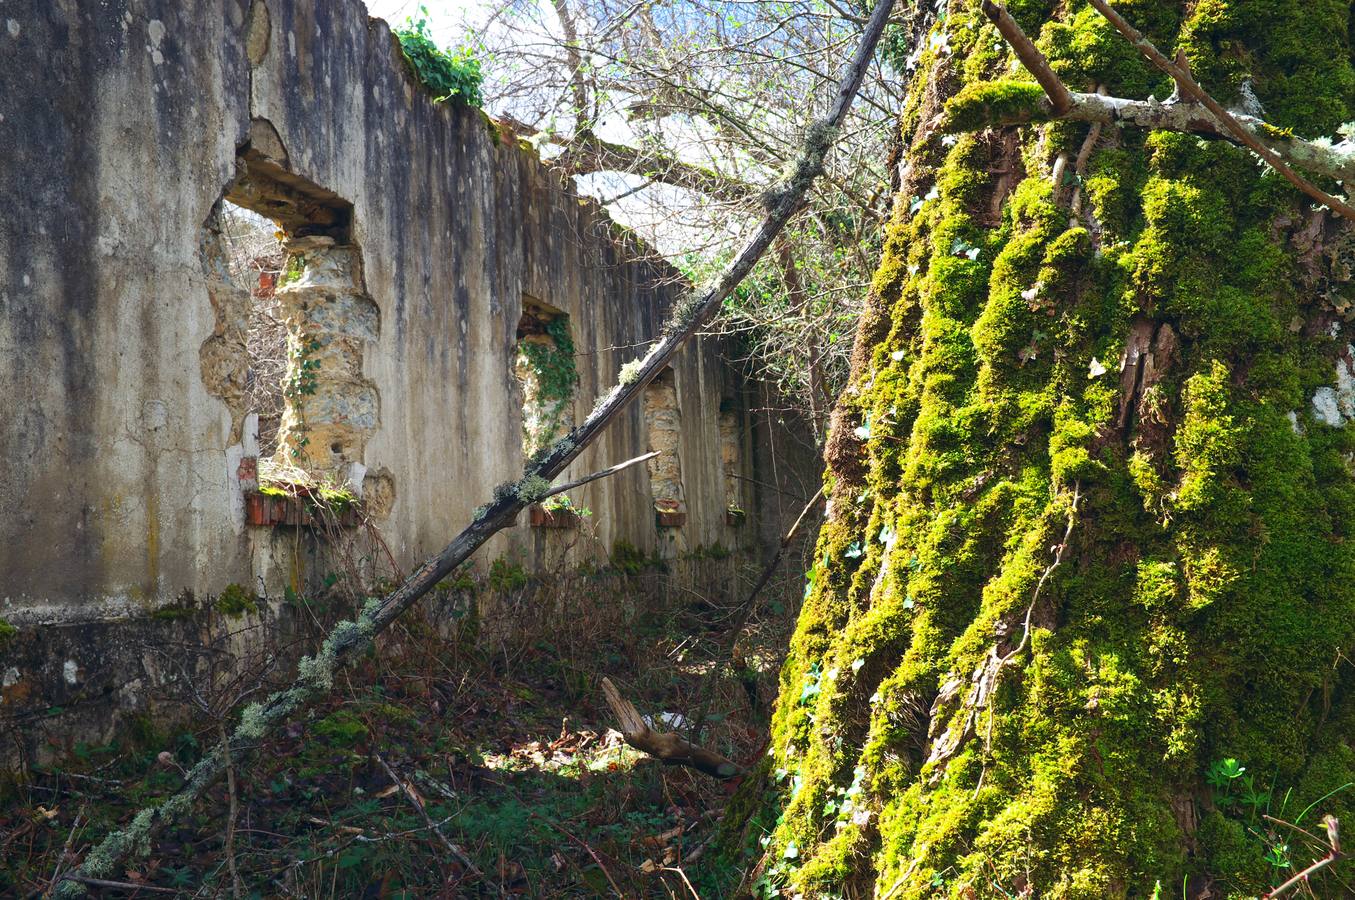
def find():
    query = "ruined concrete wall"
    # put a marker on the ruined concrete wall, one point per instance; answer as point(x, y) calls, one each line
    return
point(122, 367)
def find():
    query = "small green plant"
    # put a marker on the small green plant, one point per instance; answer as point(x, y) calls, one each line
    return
point(336, 496)
point(562, 503)
point(506, 576)
point(302, 381)
point(327, 494)
point(296, 265)
point(7, 632)
point(628, 559)
point(553, 376)
point(1223, 773)
point(235, 601)
point(445, 73)
point(461, 580)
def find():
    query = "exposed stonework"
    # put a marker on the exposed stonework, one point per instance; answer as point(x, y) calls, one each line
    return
point(330, 319)
point(731, 457)
point(663, 419)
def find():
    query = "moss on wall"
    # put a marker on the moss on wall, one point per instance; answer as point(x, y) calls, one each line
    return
point(1205, 606)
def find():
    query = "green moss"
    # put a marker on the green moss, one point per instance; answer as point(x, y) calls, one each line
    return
point(7, 631)
point(505, 575)
point(340, 729)
point(235, 602)
point(628, 559)
point(1203, 603)
point(987, 104)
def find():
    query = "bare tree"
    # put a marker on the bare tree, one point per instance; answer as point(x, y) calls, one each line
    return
point(680, 117)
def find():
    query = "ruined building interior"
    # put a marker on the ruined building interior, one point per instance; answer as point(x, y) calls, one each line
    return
point(268, 312)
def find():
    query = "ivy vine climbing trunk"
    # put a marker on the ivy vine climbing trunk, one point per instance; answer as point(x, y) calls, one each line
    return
point(1083, 613)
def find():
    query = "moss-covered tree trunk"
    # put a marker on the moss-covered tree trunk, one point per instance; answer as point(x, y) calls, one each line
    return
point(1140, 341)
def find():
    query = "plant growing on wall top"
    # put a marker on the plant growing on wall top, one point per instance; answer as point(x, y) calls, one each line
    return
point(445, 73)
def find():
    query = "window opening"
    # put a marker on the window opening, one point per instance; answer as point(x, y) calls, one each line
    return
point(293, 319)
point(256, 261)
point(731, 461)
point(546, 373)
point(663, 422)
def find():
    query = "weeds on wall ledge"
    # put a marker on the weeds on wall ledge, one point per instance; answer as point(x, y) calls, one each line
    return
point(447, 74)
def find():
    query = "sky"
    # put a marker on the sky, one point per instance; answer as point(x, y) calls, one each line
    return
point(448, 19)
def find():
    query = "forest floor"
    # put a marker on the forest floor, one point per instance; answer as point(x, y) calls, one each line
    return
point(504, 743)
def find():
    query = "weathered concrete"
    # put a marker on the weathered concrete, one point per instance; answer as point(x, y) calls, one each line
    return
point(122, 351)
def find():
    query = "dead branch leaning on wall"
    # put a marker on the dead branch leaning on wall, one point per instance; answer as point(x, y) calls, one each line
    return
point(1204, 115)
point(315, 675)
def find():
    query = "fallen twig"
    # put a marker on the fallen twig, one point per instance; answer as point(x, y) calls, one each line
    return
point(117, 885)
point(415, 802)
point(584, 844)
point(66, 849)
point(1334, 854)
point(664, 745)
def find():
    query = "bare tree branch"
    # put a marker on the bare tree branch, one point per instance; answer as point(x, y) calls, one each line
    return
point(604, 473)
point(585, 153)
point(665, 745)
point(1059, 98)
point(1180, 73)
point(583, 112)
point(1205, 115)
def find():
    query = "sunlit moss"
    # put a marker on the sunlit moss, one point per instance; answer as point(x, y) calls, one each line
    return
point(1205, 605)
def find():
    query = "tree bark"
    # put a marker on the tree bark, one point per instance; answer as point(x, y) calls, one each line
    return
point(1084, 606)
point(315, 674)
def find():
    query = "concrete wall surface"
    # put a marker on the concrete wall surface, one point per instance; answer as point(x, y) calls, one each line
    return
point(124, 437)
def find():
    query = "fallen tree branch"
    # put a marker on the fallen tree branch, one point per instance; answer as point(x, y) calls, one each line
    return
point(665, 745)
point(348, 640)
point(118, 885)
point(1202, 115)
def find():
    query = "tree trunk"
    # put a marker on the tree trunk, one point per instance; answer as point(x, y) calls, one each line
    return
point(1083, 612)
